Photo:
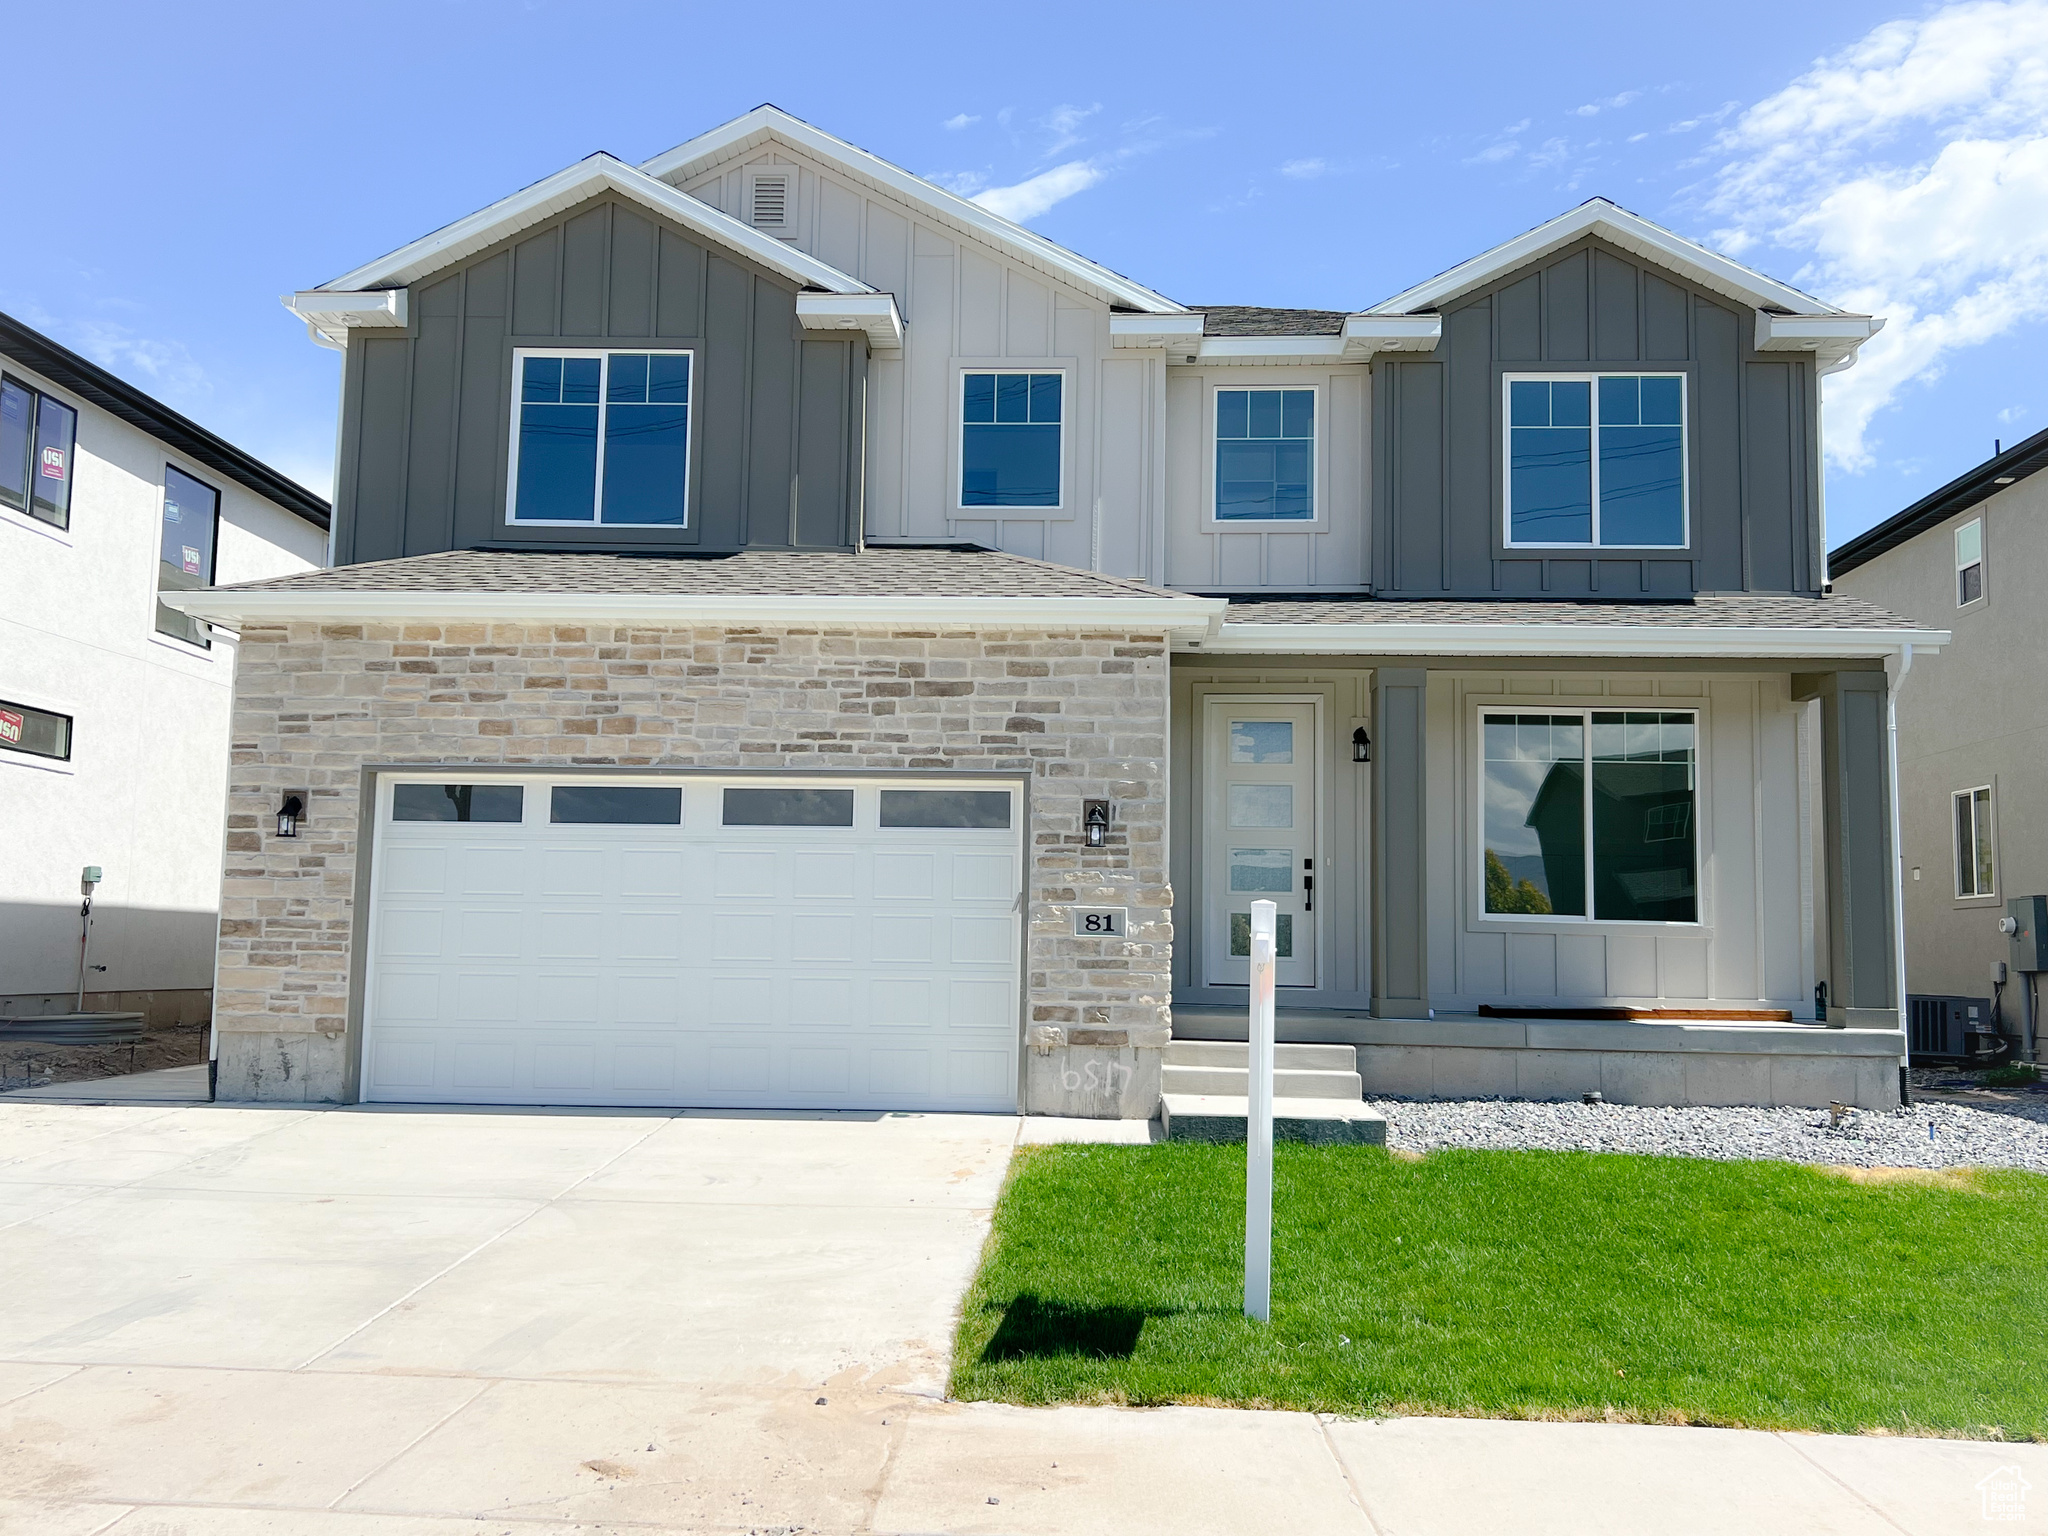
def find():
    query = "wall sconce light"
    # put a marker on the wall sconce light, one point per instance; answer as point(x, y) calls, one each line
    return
point(1361, 746)
point(1095, 821)
point(288, 816)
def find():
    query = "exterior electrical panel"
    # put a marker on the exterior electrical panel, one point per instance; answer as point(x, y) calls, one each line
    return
point(2029, 933)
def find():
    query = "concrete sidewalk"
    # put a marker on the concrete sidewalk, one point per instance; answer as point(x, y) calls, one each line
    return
point(400, 1323)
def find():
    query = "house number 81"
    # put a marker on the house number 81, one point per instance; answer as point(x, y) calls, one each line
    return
point(1101, 922)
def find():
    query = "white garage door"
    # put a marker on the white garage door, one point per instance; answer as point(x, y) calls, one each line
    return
point(749, 942)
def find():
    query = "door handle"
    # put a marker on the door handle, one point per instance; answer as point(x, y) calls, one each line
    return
point(1308, 893)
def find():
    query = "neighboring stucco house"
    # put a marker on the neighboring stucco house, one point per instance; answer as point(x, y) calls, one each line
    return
point(113, 708)
point(801, 639)
point(1973, 728)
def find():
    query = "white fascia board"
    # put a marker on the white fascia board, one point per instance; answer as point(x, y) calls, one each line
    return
point(330, 316)
point(1286, 349)
point(765, 123)
point(1631, 232)
point(564, 190)
point(1180, 332)
point(1619, 640)
point(1176, 616)
point(874, 313)
point(1370, 333)
point(1833, 339)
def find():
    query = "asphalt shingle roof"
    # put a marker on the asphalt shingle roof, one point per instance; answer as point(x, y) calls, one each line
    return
point(1249, 320)
point(1735, 611)
point(954, 570)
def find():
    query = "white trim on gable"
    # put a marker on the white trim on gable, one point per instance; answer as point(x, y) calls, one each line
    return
point(564, 190)
point(1631, 232)
point(767, 125)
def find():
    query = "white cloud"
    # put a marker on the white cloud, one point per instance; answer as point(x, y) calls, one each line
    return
point(966, 183)
point(1906, 176)
point(1606, 104)
point(958, 121)
point(1305, 170)
point(1029, 198)
point(1064, 124)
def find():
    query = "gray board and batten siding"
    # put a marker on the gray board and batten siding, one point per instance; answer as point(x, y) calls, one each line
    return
point(776, 416)
point(1752, 438)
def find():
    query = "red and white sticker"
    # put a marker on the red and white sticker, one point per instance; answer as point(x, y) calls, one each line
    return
point(10, 726)
point(191, 561)
point(53, 463)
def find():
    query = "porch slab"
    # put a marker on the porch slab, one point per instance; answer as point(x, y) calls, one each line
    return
point(1672, 1062)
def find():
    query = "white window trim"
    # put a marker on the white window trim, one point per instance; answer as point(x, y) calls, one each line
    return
point(1536, 705)
point(964, 512)
point(596, 520)
point(1954, 541)
point(1593, 378)
point(1986, 835)
point(1318, 488)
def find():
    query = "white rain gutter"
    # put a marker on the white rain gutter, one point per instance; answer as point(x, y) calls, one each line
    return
point(1179, 617)
point(1591, 640)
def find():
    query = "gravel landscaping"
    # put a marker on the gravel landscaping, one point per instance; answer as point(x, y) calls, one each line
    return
point(1928, 1135)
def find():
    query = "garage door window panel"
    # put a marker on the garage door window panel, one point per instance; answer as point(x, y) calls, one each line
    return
point(932, 809)
point(788, 808)
point(458, 802)
point(615, 805)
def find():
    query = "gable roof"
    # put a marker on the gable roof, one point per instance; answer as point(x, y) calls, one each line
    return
point(768, 124)
point(565, 189)
point(60, 365)
point(1630, 231)
point(1938, 506)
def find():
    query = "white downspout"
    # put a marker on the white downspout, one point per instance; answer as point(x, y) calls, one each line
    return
point(1896, 667)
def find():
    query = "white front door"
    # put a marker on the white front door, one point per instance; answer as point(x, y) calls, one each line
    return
point(822, 943)
point(1259, 834)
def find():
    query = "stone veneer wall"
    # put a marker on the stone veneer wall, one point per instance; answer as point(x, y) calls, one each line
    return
point(1083, 713)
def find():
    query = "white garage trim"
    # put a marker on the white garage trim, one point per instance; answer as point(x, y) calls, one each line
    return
point(676, 959)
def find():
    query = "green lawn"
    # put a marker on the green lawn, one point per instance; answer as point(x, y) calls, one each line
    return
point(1519, 1285)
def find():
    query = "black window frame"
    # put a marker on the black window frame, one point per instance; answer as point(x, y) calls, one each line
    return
point(70, 732)
point(202, 632)
point(41, 397)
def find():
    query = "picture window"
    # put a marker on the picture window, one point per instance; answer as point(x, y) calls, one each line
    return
point(190, 531)
point(1010, 439)
point(36, 732)
point(38, 449)
point(1596, 460)
point(1976, 866)
point(601, 438)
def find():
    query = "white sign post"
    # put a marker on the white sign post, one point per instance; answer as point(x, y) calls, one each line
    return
point(1258, 1125)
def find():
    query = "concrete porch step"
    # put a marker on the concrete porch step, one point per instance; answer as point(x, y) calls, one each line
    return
point(1235, 1053)
point(1221, 1118)
point(1288, 1082)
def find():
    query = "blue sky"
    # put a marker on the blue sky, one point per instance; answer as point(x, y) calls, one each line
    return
point(173, 169)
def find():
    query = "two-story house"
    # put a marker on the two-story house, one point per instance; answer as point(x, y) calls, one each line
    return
point(801, 639)
point(113, 707)
point(1973, 726)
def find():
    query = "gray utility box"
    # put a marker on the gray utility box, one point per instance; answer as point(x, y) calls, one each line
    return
point(2028, 934)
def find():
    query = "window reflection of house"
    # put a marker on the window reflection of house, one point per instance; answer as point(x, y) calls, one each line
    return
point(1558, 816)
point(1642, 839)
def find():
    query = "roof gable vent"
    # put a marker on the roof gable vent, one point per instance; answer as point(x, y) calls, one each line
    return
point(768, 202)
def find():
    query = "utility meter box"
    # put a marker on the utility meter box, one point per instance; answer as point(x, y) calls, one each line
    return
point(2027, 932)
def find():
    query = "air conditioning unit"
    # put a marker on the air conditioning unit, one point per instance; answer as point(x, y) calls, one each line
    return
point(1952, 1029)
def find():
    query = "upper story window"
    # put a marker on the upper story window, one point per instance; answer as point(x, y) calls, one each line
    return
point(1010, 447)
point(1596, 461)
point(1969, 562)
point(190, 530)
point(1265, 455)
point(1976, 869)
point(38, 732)
point(1590, 802)
point(601, 437)
point(38, 441)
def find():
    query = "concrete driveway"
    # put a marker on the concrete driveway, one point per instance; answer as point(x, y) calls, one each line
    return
point(224, 1321)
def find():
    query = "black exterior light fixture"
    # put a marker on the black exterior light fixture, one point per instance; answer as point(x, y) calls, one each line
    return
point(1095, 821)
point(1361, 746)
point(288, 815)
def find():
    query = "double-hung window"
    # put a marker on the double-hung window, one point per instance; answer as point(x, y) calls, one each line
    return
point(1596, 461)
point(1590, 803)
point(1976, 866)
point(601, 437)
point(1969, 562)
point(1265, 455)
point(38, 441)
point(190, 530)
point(1010, 439)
